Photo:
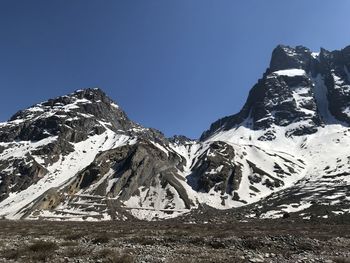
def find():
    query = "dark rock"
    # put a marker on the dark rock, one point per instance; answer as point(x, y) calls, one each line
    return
point(215, 168)
point(271, 101)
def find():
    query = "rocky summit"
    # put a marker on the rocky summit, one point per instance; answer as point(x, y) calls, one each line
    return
point(79, 157)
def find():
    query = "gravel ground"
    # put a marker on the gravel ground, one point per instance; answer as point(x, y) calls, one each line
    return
point(171, 241)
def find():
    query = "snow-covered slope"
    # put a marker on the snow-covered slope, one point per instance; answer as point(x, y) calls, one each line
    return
point(297, 112)
point(79, 157)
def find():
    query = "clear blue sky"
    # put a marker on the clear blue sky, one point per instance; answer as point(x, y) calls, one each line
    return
point(173, 65)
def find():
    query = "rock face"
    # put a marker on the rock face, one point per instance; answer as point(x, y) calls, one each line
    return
point(74, 117)
point(80, 157)
point(298, 87)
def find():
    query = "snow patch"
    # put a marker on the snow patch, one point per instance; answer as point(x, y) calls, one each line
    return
point(290, 72)
point(315, 55)
point(114, 105)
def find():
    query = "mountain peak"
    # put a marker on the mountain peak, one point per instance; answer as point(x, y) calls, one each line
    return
point(90, 94)
point(300, 92)
point(73, 102)
point(286, 57)
point(88, 109)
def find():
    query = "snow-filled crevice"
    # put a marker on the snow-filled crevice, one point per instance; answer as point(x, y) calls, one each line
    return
point(321, 96)
point(347, 72)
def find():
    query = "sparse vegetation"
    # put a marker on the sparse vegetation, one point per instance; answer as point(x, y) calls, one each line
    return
point(101, 239)
point(172, 241)
point(112, 256)
point(11, 254)
point(75, 236)
point(69, 243)
point(42, 245)
point(76, 251)
point(252, 243)
point(39, 250)
point(342, 260)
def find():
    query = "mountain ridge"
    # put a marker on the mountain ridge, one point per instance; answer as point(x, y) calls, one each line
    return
point(284, 58)
point(79, 157)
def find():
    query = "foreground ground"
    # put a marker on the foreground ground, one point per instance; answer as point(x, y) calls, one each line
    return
point(283, 240)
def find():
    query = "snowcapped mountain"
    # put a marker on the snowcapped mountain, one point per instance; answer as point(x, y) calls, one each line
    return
point(299, 108)
point(80, 157)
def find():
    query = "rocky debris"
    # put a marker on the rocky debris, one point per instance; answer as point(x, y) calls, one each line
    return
point(216, 169)
point(123, 172)
point(258, 241)
point(141, 165)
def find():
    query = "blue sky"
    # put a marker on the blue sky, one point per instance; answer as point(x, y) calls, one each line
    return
point(173, 65)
